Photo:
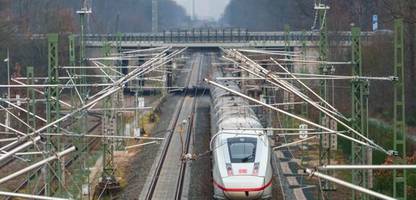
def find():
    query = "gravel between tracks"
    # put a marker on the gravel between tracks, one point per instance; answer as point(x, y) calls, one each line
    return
point(201, 179)
point(140, 164)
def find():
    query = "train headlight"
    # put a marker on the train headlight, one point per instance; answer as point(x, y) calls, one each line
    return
point(229, 169)
point(256, 168)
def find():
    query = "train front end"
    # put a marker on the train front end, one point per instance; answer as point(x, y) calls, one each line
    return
point(247, 172)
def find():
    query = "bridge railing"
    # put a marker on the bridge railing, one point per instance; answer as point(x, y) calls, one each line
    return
point(222, 36)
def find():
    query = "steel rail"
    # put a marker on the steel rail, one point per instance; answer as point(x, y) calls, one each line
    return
point(171, 128)
point(116, 87)
point(165, 148)
point(191, 124)
point(67, 163)
point(180, 181)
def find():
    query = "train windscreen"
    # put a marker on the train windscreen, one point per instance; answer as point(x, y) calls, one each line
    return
point(242, 149)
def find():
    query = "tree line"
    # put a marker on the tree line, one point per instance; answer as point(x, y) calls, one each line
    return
point(273, 15)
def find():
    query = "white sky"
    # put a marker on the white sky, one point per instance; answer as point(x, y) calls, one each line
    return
point(205, 9)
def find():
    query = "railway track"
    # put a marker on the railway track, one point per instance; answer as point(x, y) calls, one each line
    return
point(92, 143)
point(168, 178)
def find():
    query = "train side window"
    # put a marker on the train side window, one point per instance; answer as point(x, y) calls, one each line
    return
point(242, 149)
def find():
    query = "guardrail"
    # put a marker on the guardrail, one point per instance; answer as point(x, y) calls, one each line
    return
point(218, 36)
point(222, 36)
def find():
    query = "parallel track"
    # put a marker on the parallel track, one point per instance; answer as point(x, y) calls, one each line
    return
point(172, 129)
point(67, 164)
point(180, 182)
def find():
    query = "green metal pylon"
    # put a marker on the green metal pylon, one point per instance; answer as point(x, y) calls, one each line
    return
point(304, 108)
point(71, 48)
point(83, 23)
point(399, 176)
point(53, 113)
point(120, 144)
point(31, 121)
point(31, 95)
point(288, 96)
point(75, 102)
point(119, 38)
point(109, 125)
point(83, 92)
point(72, 62)
point(325, 139)
point(106, 51)
point(359, 119)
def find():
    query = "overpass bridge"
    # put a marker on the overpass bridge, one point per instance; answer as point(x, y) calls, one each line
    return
point(222, 38)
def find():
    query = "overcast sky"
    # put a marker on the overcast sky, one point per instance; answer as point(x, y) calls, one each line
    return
point(205, 9)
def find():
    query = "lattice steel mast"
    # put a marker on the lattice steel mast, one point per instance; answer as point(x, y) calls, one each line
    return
point(325, 139)
point(359, 121)
point(288, 96)
point(32, 179)
point(399, 176)
point(52, 114)
point(304, 108)
point(82, 122)
point(109, 125)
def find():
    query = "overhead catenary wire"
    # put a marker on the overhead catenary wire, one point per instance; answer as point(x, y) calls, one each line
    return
point(146, 67)
point(284, 85)
point(103, 136)
point(304, 97)
point(290, 114)
point(30, 196)
point(334, 110)
point(294, 143)
point(43, 93)
point(346, 184)
point(358, 167)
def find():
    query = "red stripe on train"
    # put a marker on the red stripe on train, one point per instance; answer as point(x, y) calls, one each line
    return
point(243, 189)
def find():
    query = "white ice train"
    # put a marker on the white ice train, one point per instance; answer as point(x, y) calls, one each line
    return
point(241, 166)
